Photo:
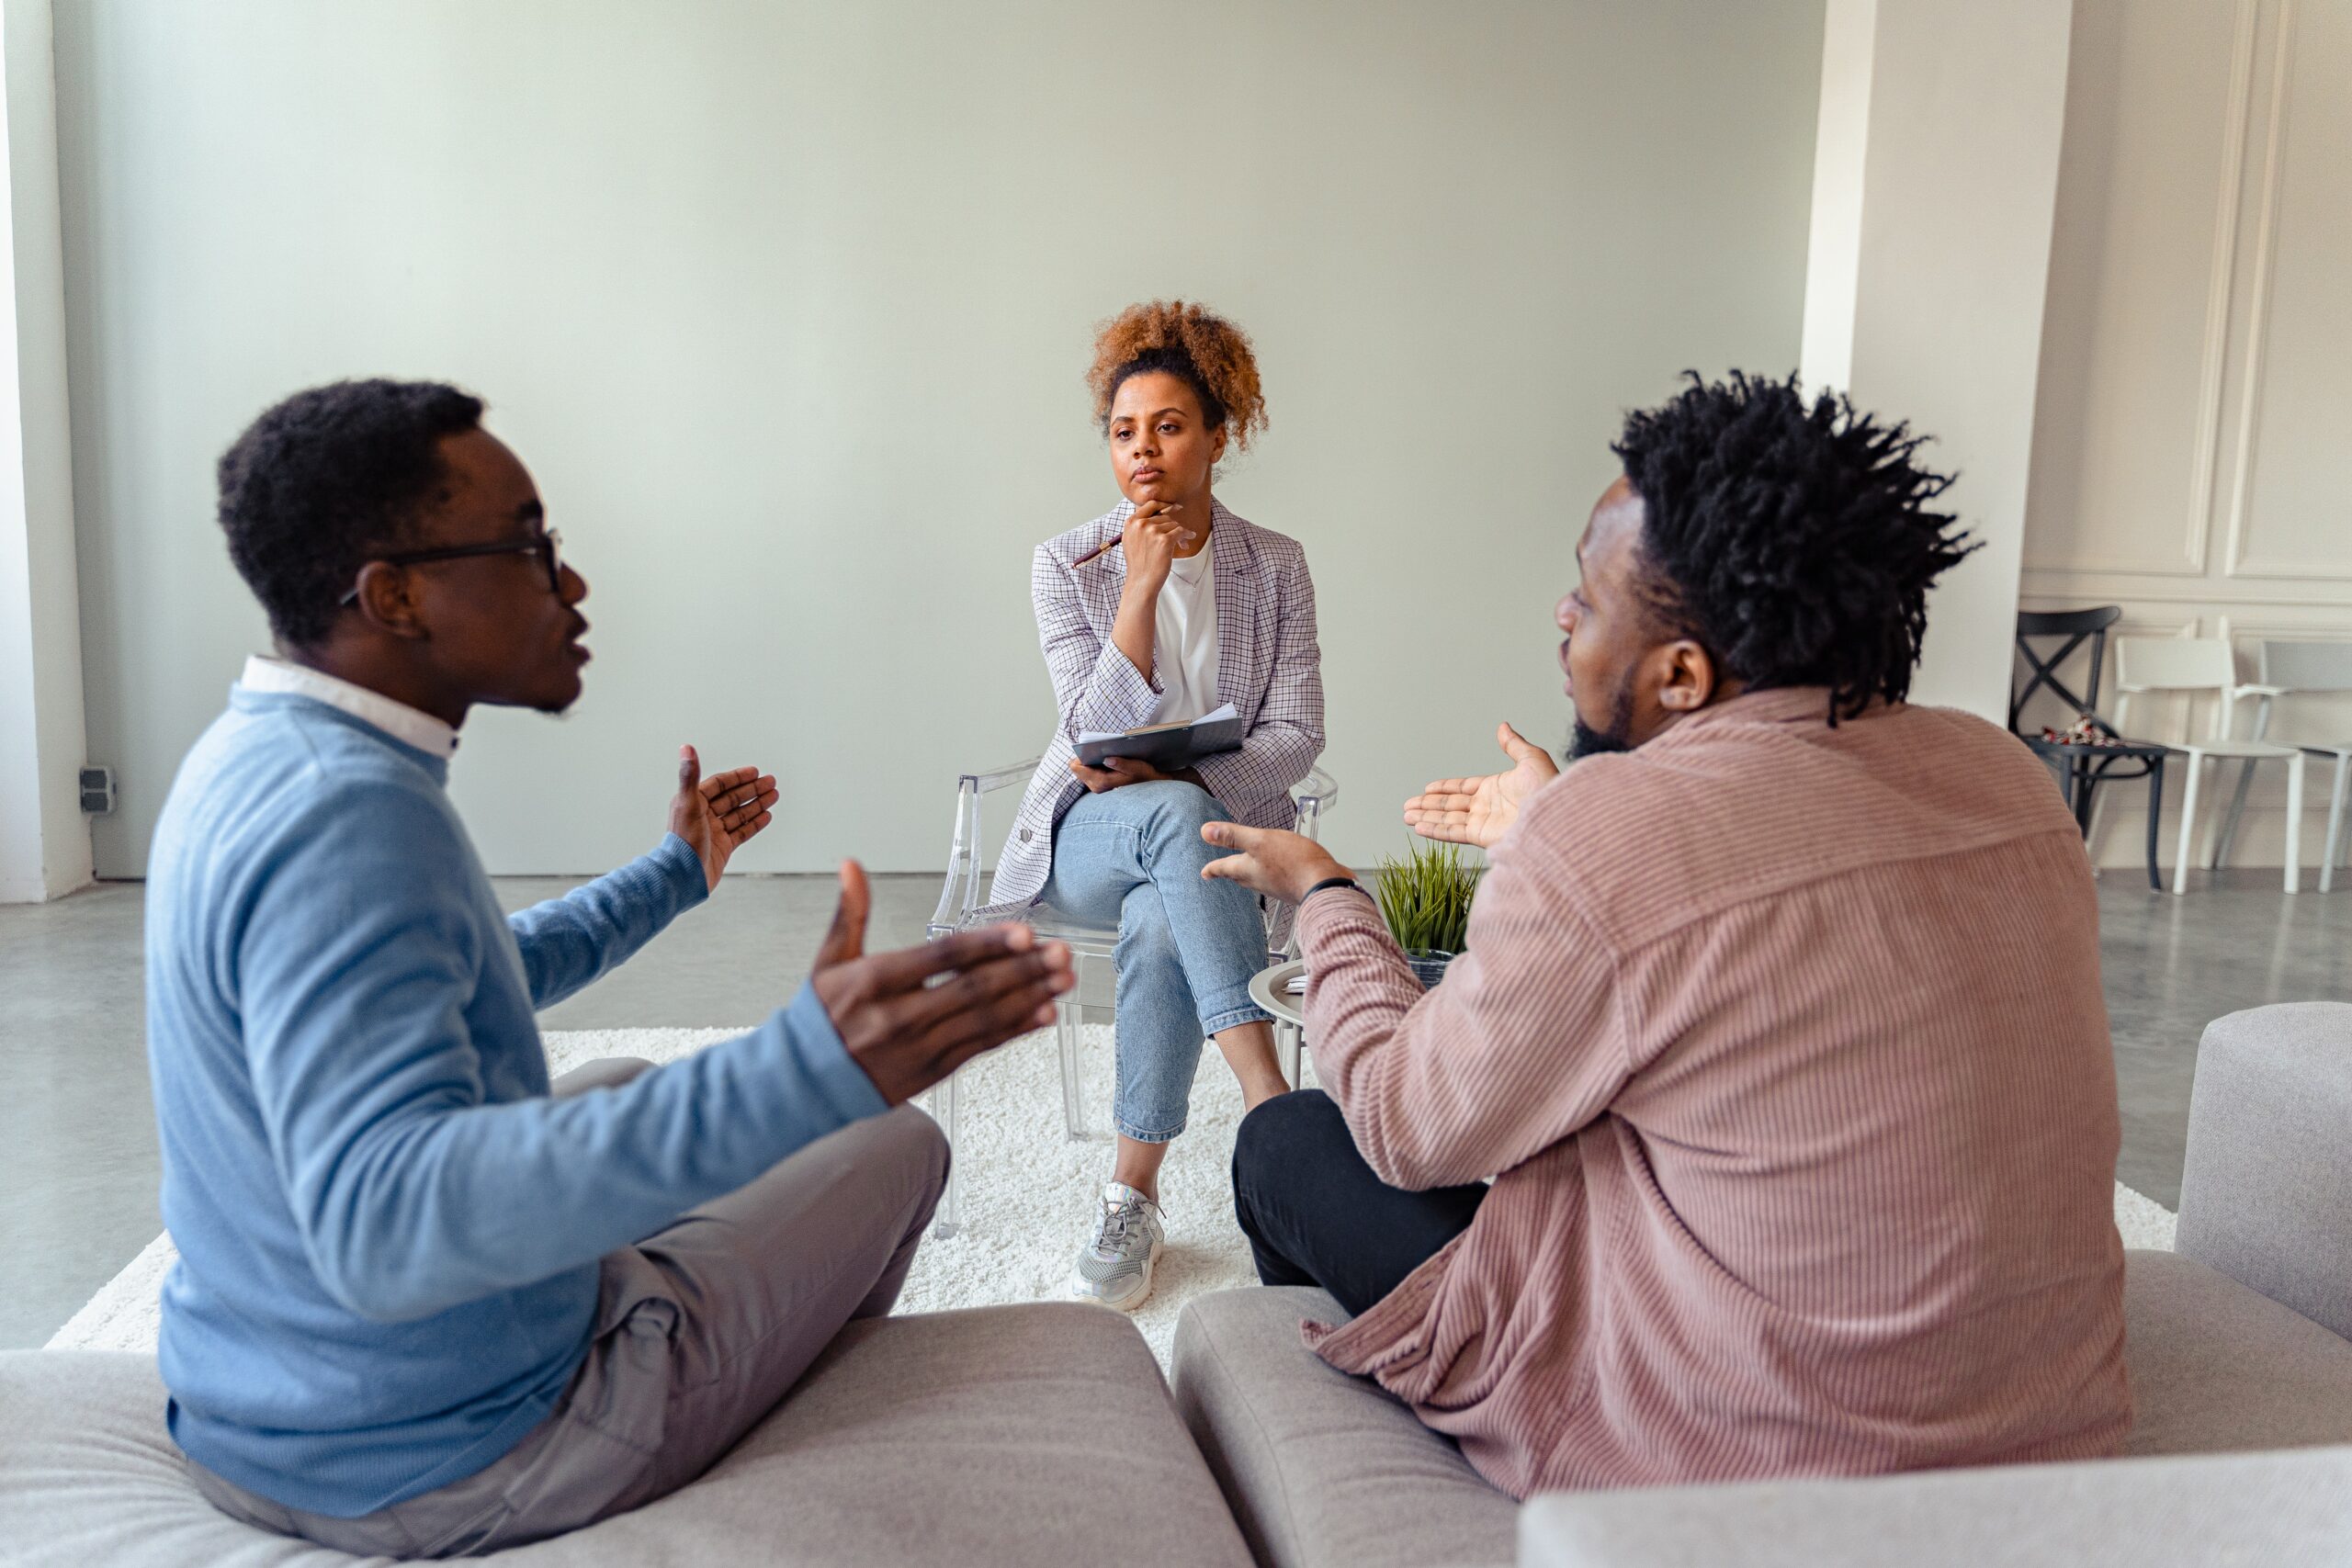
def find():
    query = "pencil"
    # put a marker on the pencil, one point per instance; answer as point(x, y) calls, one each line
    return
point(1117, 538)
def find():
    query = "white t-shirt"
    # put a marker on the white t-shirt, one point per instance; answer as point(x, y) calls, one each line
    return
point(1184, 640)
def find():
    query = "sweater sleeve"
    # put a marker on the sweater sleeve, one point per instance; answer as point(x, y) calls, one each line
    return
point(569, 942)
point(1517, 1050)
point(359, 952)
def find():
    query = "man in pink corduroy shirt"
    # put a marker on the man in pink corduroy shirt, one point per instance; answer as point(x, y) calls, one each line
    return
point(1778, 1032)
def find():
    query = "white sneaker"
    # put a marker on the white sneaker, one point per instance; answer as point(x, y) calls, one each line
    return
point(1115, 1267)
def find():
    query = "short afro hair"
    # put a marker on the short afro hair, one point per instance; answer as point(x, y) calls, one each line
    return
point(328, 480)
point(1794, 540)
point(1206, 351)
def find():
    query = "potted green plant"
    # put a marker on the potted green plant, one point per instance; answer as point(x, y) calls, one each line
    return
point(1425, 897)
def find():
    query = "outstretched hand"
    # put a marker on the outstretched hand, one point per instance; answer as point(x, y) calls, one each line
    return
point(1479, 811)
point(1269, 860)
point(910, 1018)
point(718, 814)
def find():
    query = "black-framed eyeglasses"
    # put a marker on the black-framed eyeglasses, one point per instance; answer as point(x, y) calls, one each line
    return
point(547, 547)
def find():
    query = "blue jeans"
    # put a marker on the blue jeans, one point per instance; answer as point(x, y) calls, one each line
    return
point(1188, 948)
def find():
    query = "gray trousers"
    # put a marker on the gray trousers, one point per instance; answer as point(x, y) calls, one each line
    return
point(700, 1330)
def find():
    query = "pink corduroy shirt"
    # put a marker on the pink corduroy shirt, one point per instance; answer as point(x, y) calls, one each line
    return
point(1785, 1046)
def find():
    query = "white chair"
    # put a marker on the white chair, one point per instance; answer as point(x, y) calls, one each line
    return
point(964, 899)
point(2288, 668)
point(2148, 666)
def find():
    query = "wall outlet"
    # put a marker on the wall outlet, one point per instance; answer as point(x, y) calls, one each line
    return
point(98, 792)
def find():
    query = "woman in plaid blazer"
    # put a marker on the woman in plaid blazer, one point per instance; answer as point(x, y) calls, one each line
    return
point(1158, 611)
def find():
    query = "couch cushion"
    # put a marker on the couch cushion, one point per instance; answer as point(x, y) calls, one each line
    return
point(1322, 1469)
point(2217, 1368)
point(967, 1438)
point(2158, 1513)
point(2266, 1193)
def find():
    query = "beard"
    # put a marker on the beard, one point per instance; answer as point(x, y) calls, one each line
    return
point(1587, 741)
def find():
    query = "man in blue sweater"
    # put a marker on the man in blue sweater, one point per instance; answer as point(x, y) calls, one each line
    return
point(425, 1306)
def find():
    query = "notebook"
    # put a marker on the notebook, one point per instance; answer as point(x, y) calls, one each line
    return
point(1167, 747)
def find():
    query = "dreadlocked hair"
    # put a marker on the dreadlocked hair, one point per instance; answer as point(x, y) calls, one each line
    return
point(1793, 540)
point(1203, 350)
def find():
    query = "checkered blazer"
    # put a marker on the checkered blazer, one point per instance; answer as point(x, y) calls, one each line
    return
point(1268, 667)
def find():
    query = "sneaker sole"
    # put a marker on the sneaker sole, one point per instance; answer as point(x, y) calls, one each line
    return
point(1126, 1303)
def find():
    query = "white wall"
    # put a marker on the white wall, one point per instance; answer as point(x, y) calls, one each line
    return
point(2191, 460)
point(44, 845)
point(1929, 260)
point(1841, 159)
point(787, 308)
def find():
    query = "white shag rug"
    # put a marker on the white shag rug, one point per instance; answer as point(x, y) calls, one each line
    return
point(1028, 1192)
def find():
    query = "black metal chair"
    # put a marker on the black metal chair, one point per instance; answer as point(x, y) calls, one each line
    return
point(2081, 768)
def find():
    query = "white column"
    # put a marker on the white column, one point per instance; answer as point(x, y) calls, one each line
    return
point(1935, 180)
point(44, 840)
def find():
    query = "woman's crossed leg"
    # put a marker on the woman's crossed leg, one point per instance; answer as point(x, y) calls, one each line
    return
point(1188, 948)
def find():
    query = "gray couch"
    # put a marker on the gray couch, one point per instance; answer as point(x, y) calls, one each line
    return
point(1043, 1434)
point(2237, 1345)
point(999, 1435)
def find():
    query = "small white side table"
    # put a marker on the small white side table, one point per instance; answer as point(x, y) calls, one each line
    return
point(1270, 988)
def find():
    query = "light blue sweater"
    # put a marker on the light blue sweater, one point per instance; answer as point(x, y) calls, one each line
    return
point(388, 1232)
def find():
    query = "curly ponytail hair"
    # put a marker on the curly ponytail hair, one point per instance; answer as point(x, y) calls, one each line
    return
point(1207, 352)
point(1794, 541)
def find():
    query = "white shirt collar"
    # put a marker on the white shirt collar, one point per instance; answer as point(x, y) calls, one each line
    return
point(409, 725)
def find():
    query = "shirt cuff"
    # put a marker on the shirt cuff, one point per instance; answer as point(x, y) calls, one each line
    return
point(681, 870)
point(1340, 909)
point(835, 1073)
point(1125, 695)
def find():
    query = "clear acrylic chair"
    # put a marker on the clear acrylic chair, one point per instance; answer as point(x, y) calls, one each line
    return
point(964, 899)
point(2288, 668)
point(2147, 666)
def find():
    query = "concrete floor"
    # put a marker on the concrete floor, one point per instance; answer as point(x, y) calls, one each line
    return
point(78, 1166)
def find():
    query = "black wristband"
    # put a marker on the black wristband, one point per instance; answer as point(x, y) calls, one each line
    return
point(1329, 881)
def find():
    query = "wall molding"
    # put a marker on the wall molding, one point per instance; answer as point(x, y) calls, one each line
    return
point(2213, 362)
point(2238, 562)
point(2214, 355)
point(2239, 584)
point(2085, 584)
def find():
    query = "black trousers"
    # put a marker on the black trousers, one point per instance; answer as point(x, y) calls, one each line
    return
point(1315, 1215)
